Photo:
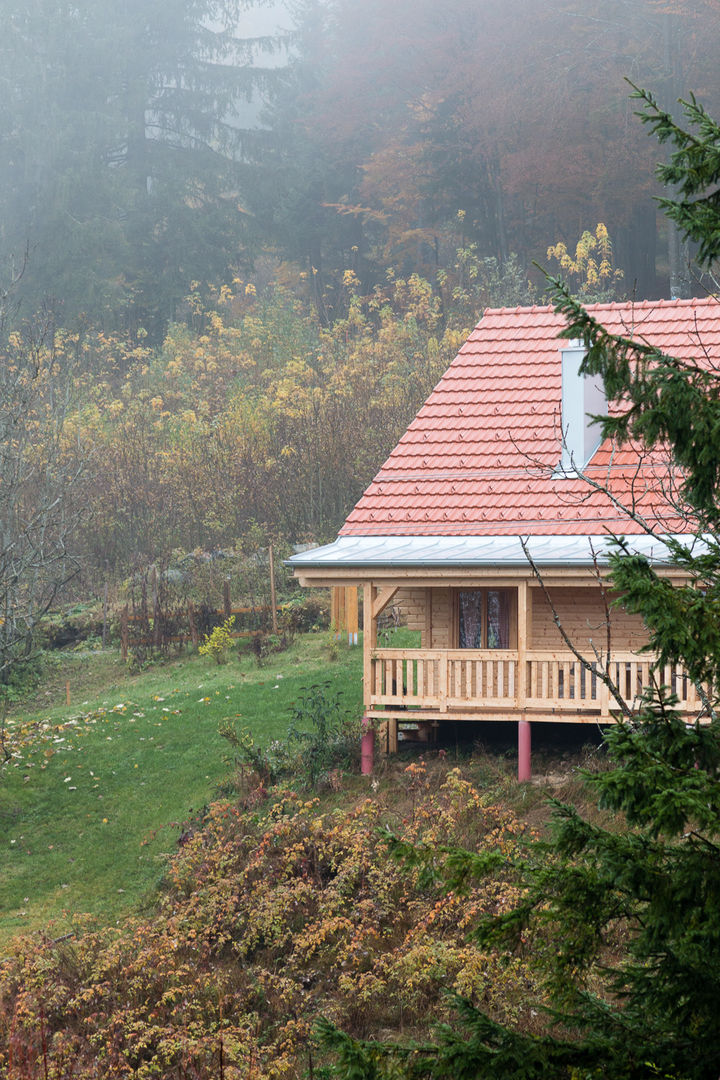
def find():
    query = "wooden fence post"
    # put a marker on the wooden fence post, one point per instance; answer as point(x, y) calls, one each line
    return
point(226, 598)
point(124, 633)
point(273, 597)
point(193, 624)
point(105, 607)
point(156, 609)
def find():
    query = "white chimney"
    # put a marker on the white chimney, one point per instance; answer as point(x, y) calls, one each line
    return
point(583, 396)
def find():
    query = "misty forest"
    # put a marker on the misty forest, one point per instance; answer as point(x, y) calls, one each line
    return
point(240, 243)
point(251, 240)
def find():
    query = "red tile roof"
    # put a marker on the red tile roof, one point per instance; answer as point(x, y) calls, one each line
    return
point(481, 456)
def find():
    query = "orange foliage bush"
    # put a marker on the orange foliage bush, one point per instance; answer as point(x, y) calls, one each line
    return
point(270, 920)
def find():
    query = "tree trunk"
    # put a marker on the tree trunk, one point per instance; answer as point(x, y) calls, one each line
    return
point(678, 249)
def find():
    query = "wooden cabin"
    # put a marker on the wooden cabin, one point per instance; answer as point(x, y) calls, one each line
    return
point(489, 527)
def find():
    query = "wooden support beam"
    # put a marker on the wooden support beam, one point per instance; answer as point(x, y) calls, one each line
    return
point(369, 642)
point(351, 614)
point(341, 614)
point(524, 751)
point(367, 748)
point(522, 642)
point(335, 608)
point(427, 633)
point(383, 598)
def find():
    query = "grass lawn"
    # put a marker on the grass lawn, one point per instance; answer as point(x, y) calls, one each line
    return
point(94, 802)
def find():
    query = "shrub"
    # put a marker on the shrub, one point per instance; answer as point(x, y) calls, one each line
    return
point(306, 612)
point(217, 643)
point(326, 735)
point(272, 916)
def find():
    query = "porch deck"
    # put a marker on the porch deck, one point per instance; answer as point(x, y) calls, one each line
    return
point(491, 684)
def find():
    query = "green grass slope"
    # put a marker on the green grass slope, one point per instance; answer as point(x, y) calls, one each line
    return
point(94, 797)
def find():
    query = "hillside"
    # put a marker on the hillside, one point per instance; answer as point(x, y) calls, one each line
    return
point(278, 908)
point(186, 900)
point(94, 795)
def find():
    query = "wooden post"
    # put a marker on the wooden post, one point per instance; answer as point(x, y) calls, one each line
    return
point(427, 632)
point(273, 597)
point(124, 633)
point(369, 642)
point(604, 701)
point(522, 643)
point(67, 693)
point(334, 608)
point(156, 608)
point(227, 607)
point(524, 751)
point(192, 624)
point(105, 607)
point(367, 747)
point(351, 614)
point(443, 687)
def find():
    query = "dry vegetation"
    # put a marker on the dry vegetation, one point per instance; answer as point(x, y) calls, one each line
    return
point(281, 908)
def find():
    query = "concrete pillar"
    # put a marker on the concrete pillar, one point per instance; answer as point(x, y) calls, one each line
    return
point(367, 748)
point(524, 765)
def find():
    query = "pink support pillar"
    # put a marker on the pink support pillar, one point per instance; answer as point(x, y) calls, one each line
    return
point(524, 765)
point(367, 748)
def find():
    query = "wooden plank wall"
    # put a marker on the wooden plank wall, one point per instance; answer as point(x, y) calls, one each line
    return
point(580, 609)
point(442, 605)
point(582, 615)
point(411, 605)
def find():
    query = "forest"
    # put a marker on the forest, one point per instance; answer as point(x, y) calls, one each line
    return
point(236, 259)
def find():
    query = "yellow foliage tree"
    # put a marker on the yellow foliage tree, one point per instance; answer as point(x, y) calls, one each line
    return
point(590, 271)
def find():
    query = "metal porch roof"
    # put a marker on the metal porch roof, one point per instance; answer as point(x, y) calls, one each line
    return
point(478, 551)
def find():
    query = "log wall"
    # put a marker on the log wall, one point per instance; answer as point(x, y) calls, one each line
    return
point(582, 615)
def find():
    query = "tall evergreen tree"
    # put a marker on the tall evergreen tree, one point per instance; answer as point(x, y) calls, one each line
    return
point(627, 918)
point(123, 140)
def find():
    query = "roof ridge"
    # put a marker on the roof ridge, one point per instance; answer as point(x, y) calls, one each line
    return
point(616, 305)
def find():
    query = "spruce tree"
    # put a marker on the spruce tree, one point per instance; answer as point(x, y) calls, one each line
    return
point(127, 130)
point(630, 913)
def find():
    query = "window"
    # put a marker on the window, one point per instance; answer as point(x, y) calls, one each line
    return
point(487, 619)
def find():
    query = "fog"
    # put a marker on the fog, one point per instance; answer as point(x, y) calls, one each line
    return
point(135, 160)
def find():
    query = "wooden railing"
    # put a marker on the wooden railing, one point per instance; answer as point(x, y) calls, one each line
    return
point(548, 682)
point(443, 679)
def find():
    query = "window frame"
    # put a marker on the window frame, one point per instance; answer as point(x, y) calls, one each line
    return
point(484, 591)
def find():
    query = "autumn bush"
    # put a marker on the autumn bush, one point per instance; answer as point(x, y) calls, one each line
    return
point(273, 914)
point(217, 643)
point(253, 418)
